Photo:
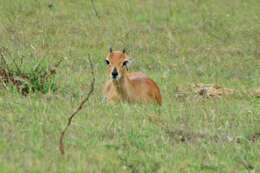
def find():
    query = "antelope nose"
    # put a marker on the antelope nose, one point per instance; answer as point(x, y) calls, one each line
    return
point(114, 73)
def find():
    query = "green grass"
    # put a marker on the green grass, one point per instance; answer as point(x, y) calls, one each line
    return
point(27, 77)
point(177, 43)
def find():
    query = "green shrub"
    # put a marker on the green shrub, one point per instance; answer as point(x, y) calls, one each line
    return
point(36, 76)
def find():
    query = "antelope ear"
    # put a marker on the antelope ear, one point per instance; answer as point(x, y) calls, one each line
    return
point(110, 50)
point(127, 63)
point(124, 50)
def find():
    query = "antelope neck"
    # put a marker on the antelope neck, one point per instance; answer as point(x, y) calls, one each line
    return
point(122, 86)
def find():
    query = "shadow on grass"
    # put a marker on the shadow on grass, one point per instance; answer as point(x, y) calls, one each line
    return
point(188, 136)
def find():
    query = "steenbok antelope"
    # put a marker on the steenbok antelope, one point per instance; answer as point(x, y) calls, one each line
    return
point(126, 86)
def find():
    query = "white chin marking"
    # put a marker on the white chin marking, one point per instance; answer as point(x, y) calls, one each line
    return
point(116, 79)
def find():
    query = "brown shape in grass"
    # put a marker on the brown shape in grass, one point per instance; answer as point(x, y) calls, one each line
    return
point(211, 90)
point(255, 93)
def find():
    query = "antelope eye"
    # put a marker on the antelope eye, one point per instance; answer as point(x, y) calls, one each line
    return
point(125, 63)
point(107, 62)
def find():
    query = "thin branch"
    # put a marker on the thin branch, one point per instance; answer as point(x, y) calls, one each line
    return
point(51, 71)
point(92, 85)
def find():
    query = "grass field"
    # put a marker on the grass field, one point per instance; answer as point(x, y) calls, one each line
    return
point(177, 43)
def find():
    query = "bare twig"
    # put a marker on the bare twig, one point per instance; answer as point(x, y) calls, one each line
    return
point(92, 85)
point(51, 71)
